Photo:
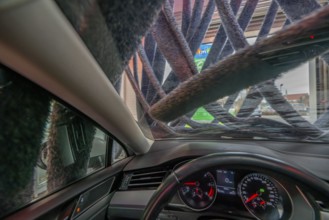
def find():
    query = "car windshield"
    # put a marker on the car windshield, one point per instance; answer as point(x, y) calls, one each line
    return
point(239, 69)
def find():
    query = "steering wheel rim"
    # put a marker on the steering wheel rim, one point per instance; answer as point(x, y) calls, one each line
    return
point(170, 185)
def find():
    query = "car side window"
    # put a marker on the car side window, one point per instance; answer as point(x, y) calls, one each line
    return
point(44, 145)
point(118, 152)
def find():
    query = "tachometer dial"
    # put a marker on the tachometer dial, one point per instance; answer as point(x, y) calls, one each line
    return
point(200, 193)
point(260, 196)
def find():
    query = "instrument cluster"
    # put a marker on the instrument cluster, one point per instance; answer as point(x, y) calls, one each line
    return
point(261, 194)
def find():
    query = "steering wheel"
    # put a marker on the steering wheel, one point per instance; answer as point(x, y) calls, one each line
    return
point(171, 184)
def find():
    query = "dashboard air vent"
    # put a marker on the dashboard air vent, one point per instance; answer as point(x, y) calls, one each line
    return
point(143, 179)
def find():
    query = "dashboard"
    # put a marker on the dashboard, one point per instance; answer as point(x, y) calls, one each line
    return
point(229, 192)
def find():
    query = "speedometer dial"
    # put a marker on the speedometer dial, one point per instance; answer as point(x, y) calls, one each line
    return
point(260, 196)
point(199, 193)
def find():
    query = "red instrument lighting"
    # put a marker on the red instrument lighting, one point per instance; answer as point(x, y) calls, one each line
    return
point(211, 192)
point(251, 198)
point(312, 37)
point(190, 183)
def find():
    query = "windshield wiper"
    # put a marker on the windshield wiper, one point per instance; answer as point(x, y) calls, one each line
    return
point(274, 133)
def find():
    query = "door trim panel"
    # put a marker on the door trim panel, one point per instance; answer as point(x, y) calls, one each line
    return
point(51, 202)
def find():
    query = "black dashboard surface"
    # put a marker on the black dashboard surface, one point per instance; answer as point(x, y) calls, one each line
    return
point(311, 156)
point(168, 154)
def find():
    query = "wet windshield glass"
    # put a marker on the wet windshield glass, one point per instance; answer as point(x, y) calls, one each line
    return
point(233, 69)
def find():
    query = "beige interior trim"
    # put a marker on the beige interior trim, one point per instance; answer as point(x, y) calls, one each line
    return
point(7, 4)
point(37, 41)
